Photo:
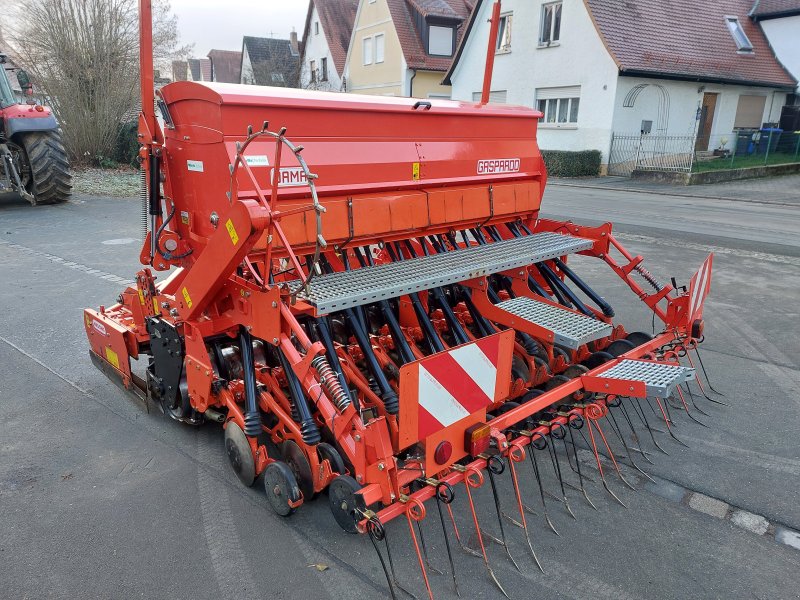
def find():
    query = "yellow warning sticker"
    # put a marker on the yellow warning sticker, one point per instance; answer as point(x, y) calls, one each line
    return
point(232, 232)
point(187, 298)
point(155, 306)
point(141, 297)
point(112, 357)
point(415, 171)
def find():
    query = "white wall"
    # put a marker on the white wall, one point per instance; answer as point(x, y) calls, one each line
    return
point(579, 59)
point(784, 37)
point(316, 48)
point(247, 67)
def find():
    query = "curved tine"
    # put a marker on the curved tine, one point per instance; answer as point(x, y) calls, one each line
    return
point(537, 474)
point(578, 465)
point(665, 411)
point(383, 566)
point(480, 539)
point(557, 468)
point(425, 550)
point(515, 483)
point(691, 397)
point(395, 581)
point(611, 454)
point(600, 466)
point(419, 557)
point(669, 429)
point(705, 374)
point(447, 544)
point(640, 412)
point(496, 499)
point(464, 547)
point(635, 434)
point(613, 424)
point(376, 532)
point(686, 408)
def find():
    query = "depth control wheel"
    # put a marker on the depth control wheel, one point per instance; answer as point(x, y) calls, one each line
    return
point(326, 451)
point(298, 463)
point(342, 501)
point(281, 488)
point(239, 454)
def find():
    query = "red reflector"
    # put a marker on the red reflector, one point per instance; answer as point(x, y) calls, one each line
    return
point(443, 452)
point(39, 108)
point(477, 438)
point(697, 328)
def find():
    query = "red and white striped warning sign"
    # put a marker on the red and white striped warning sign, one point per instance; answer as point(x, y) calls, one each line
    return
point(447, 387)
point(699, 286)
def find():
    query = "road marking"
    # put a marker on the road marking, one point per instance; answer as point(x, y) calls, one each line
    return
point(66, 263)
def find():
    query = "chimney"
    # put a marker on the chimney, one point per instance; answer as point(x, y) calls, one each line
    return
point(293, 41)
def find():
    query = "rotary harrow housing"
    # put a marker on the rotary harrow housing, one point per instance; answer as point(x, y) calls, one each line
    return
point(360, 290)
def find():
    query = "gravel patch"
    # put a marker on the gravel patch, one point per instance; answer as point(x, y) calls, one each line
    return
point(116, 183)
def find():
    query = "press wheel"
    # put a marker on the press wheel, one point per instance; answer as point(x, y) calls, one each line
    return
point(619, 347)
point(326, 451)
point(298, 463)
point(281, 488)
point(342, 501)
point(240, 455)
point(637, 338)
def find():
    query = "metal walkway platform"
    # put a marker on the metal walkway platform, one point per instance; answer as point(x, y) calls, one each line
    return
point(570, 329)
point(659, 379)
point(337, 291)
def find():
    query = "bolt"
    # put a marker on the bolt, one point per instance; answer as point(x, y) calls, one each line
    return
point(208, 373)
point(275, 341)
point(162, 266)
point(358, 438)
point(343, 505)
point(174, 312)
point(274, 304)
point(214, 219)
point(165, 305)
point(381, 466)
point(359, 478)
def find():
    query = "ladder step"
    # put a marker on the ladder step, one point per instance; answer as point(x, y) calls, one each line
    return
point(336, 291)
point(652, 378)
point(570, 329)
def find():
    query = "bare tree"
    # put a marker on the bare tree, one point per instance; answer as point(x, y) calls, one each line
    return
point(84, 55)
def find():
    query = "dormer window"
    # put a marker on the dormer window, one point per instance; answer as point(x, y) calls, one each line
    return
point(739, 36)
point(440, 40)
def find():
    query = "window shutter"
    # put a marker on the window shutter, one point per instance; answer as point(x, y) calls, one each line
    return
point(749, 111)
point(495, 97)
point(573, 91)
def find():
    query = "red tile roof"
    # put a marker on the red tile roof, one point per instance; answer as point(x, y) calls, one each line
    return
point(410, 39)
point(336, 19)
point(770, 9)
point(226, 65)
point(686, 39)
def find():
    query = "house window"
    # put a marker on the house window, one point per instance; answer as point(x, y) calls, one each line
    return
point(316, 27)
point(440, 40)
point(495, 96)
point(379, 47)
point(367, 50)
point(504, 34)
point(739, 36)
point(312, 67)
point(749, 112)
point(550, 30)
point(277, 78)
point(559, 106)
point(324, 74)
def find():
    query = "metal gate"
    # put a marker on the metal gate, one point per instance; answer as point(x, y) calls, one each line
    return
point(650, 152)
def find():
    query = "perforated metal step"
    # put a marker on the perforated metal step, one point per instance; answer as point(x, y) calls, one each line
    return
point(570, 329)
point(337, 291)
point(660, 379)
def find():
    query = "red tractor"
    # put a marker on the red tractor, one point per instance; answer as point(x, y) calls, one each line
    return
point(33, 158)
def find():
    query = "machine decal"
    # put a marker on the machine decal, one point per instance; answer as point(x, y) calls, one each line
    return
point(187, 298)
point(498, 165)
point(99, 327)
point(257, 160)
point(699, 287)
point(112, 357)
point(231, 232)
point(415, 171)
point(195, 165)
point(291, 176)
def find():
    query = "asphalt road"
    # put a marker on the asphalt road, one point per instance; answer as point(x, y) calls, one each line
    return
point(99, 499)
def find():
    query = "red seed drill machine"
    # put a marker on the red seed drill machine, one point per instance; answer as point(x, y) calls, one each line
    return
point(362, 294)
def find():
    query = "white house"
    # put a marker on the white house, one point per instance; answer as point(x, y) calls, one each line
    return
point(598, 68)
point(329, 25)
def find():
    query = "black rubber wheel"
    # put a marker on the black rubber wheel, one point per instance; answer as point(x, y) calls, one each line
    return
point(326, 451)
point(595, 359)
point(519, 369)
point(240, 456)
point(637, 338)
point(573, 371)
point(618, 347)
point(342, 501)
point(530, 395)
point(281, 488)
point(50, 181)
point(298, 463)
point(555, 381)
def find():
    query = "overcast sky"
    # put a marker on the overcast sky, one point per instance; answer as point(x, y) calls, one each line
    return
point(221, 24)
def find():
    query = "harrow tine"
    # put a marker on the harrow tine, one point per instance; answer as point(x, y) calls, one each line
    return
point(634, 433)
point(425, 550)
point(669, 429)
point(495, 466)
point(515, 483)
point(686, 408)
point(613, 423)
point(705, 374)
point(578, 465)
point(377, 533)
point(419, 555)
point(691, 397)
point(641, 415)
point(464, 547)
point(600, 466)
point(596, 423)
point(467, 484)
point(557, 468)
point(537, 474)
point(446, 499)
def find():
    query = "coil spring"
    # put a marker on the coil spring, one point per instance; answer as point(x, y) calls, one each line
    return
point(330, 382)
point(143, 197)
point(649, 277)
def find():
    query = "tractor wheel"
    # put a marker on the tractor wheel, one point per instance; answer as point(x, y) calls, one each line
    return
point(50, 181)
